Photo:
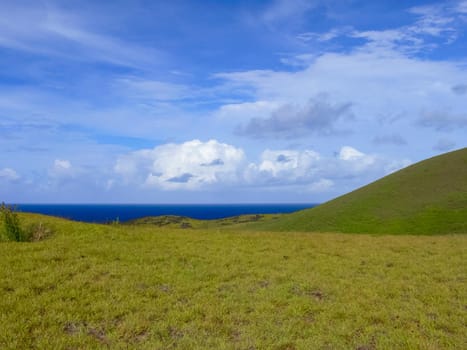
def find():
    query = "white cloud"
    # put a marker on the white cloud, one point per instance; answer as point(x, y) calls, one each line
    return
point(353, 162)
point(62, 165)
point(9, 174)
point(62, 169)
point(190, 165)
point(288, 165)
point(350, 154)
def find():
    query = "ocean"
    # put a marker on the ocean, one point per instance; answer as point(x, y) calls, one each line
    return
point(102, 213)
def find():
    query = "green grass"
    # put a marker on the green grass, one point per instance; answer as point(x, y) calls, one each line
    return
point(146, 287)
point(429, 197)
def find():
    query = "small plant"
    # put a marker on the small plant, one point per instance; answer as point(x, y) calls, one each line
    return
point(11, 223)
point(37, 232)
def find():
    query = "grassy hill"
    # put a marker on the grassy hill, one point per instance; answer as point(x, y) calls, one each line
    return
point(429, 197)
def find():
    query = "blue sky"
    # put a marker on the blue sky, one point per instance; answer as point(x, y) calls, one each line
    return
point(224, 101)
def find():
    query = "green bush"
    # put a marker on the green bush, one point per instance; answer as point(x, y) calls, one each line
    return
point(14, 231)
point(11, 224)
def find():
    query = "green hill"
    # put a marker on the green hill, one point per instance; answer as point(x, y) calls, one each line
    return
point(429, 197)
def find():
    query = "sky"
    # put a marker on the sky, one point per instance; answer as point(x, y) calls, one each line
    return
point(132, 101)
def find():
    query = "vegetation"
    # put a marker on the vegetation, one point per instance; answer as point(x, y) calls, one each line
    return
point(11, 224)
point(13, 229)
point(147, 287)
point(429, 197)
point(172, 221)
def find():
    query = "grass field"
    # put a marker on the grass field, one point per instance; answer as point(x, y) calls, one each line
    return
point(146, 287)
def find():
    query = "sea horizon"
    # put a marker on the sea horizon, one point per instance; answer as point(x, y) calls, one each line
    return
point(108, 212)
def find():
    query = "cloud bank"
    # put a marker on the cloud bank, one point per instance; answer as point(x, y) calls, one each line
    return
point(196, 165)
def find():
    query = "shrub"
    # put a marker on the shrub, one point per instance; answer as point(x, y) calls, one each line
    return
point(14, 231)
point(11, 224)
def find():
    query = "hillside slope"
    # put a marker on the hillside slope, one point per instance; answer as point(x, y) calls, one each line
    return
point(429, 197)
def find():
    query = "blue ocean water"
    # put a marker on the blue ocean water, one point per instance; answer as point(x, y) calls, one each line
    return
point(101, 213)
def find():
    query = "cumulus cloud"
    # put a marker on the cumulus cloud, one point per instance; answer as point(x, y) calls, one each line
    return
point(314, 172)
point(8, 174)
point(348, 153)
point(197, 165)
point(318, 116)
point(353, 162)
point(284, 166)
point(190, 165)
point(291, 168)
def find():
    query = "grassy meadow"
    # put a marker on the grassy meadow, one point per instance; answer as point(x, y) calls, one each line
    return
point(149, 287)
